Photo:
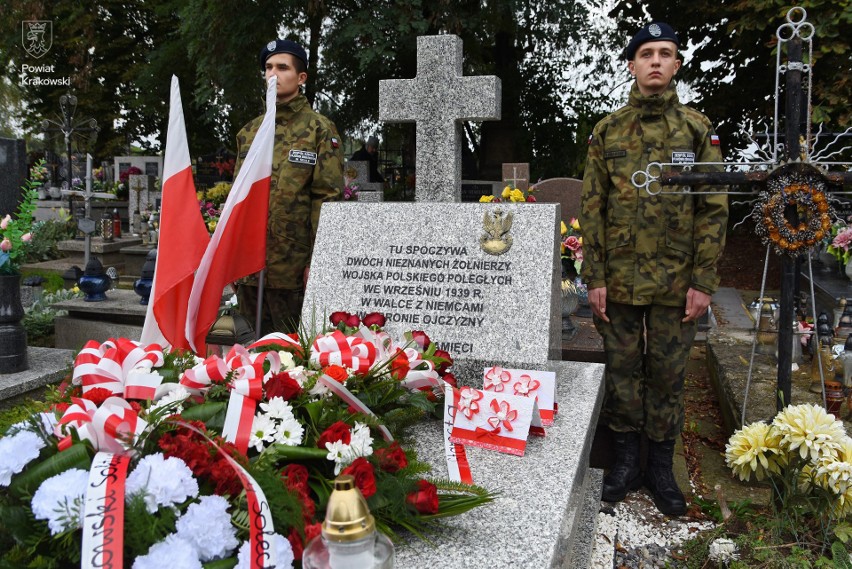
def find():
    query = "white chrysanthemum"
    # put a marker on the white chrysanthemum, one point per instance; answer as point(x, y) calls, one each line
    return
point(172, 400)
point(289, 432)
point(16, 451)
point(754, 449)
point(277, 408)
point(283, 552)
point(287, 361)
point(162, 481)
point(361, 443)
point(173, 551)
point(263, 431)
point(59, 500)
point(340, 454)
point(723, 550)
point(207, 526)
point(809, 430)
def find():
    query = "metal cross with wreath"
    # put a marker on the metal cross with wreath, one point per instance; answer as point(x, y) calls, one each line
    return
point(792, 213)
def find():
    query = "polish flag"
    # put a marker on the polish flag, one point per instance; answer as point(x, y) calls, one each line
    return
point(238, 246)
point(183, 238)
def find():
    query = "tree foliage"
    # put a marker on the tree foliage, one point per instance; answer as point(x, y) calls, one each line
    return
point(732, 69)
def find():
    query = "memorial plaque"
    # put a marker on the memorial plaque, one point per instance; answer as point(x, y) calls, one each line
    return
point(480, 279)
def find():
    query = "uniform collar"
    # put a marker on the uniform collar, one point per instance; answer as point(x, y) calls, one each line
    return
point(653, 105)
point(294, 105)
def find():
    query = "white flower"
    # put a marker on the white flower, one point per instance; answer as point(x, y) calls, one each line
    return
point(340, 454)
point(173, 551)
point(283, 553)
point(290, 433)
point(262, 431)
point(16, 451)
point(299, 374)
point(361, 443)
point(172, 399)
point(277, 408)
point(162, 481)
point(59, 500)
point(207, 526)
point(810, 430)
point(754, 449)
point(287, 361)
point(723, 550)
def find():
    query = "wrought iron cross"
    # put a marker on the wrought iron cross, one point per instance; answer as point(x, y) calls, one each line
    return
point(795, 162)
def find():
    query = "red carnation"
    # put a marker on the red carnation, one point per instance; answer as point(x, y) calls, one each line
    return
point(296, 544)
point(374, 319)
point(430, 395)
point(392, 458)
point(531, 199)
point(365, 479)
point(282, 385)
point(312, 530)
point(353, 321)
point(295, 477)
point(338, 317)
point(97, 395)
point(336, 372)
point(425, 498)
point(60, 407)
point(451, 379)
point(442, 369)
point(399, 365)
point(421, 339)
point(339, 431)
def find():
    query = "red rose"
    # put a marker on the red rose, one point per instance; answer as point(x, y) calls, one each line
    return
point(374, 319)
point(353, 321)
point(336, 372)
point(339, 431)
point(338, 317)
point(430, 395)
point(531, 199)
point(365, 479)
point(451, 379)
point(425, 498)
point(295, 477)
point(97, 395)
point(282, 385)
point(399, 365)
point(392, 458)
point(421, 339)
point(442, 369)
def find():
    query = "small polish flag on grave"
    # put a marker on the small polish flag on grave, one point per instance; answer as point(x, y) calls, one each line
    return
point(238, 245)
point(183, 238)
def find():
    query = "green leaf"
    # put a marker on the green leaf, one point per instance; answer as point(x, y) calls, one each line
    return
point(212, 414)
point(284, 452)
point(843, 531)
point(76, 456)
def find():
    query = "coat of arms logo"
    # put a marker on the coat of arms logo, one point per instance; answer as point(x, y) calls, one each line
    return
point(495, 239)
point(37, 36)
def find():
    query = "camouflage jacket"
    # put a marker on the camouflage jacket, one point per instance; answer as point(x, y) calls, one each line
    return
point(307, 170)
point(650, 249)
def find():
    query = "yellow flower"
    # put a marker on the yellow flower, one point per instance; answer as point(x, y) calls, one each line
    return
point(562, 228)
point(809, 430)
point(211, 225)
point(199, 196)
point(575, 224)
point(517, 195)
point(754, 449)
point(486, 199)
point(836, 476)
point(506, 192)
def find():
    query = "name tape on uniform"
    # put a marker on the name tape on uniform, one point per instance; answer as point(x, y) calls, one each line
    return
point(683, 157)
point(303, 157)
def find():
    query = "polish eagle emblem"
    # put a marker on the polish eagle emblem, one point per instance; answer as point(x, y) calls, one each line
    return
point(495, 239)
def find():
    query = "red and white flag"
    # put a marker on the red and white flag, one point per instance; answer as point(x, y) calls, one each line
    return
point(238, 245)
point(183, 238)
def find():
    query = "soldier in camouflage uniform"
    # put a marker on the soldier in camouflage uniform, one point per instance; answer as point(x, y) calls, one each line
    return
point(307, 170)
point(650, 263)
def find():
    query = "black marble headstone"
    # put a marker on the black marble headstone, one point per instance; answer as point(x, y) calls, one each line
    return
point(13, 172)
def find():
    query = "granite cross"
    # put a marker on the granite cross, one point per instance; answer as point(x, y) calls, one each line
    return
point(796, 161)
point(436, 100)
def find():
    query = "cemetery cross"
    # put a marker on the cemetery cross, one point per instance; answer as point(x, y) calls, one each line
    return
point(795, 160)
point(436, 99)
point(515, 178)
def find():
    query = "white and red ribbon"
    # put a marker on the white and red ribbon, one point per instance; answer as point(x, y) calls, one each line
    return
point(458, 468)
point(340, 390)
point(103, 520)
point(201, 376)
point(352, 352)
point(246, 390)
point(112, 427)
point(109, 366)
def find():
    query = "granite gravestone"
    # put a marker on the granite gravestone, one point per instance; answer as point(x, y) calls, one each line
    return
point(143, 197)
point(13, 164)
point(437, 99)
point(357, 172)
point(564, 191)
point(481, 279)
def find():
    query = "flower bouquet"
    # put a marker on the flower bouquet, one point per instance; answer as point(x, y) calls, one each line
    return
point(572, 243)
point(511, 195)
point(14, 233)
point(841, 243)
point(187, 457)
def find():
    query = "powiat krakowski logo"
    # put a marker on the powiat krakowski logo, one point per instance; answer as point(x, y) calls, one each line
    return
point(37, 36)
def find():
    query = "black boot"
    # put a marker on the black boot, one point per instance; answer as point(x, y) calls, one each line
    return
point(625, 475)
point(660, 480)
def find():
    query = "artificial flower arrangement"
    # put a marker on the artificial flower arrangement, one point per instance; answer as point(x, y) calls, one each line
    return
point(211, 201)
point(350, 191)
point(14, 233)
point(840, 242)
point(572, 243)
point(806, 456)
point(202, 439)
point(511, 195)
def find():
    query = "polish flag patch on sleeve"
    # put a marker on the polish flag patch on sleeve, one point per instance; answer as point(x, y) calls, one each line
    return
point(714, 140)
point(591, 136)
point(336, 143)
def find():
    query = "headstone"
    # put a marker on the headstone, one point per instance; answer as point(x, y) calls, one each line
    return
point(564, 191)
point(214, 168)
point(150, 165)
point(143, 197)
point(437, 99)
point(13, 164)
point(357, 172)
point(440, 268)
point(517, 174)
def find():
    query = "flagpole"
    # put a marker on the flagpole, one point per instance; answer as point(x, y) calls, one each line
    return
point(260, 279)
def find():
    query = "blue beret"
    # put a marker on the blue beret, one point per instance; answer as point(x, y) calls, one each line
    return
point(658, 31)
point(282, 46)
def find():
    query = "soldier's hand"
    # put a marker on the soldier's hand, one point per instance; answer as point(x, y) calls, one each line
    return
point(597, 300)
point(696, 304)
